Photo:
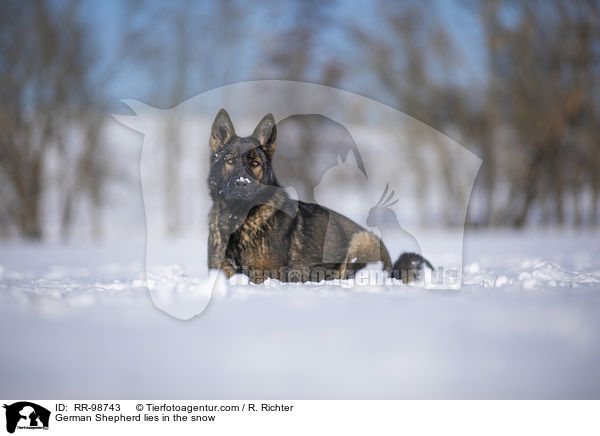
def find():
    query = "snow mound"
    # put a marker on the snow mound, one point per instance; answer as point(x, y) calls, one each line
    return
point(550, 274)
point(181, 296)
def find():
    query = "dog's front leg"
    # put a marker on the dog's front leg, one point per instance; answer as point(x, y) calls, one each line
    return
point(217, 249)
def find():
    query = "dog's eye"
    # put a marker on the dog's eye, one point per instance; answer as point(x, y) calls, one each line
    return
point(254, 163)
point(229, 160)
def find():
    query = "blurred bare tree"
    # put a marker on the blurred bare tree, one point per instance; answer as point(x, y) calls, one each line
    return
point(187, 47)
point(543, 89)
point(408, 54)
point(534, 122)
point(294, 52)
point(45, 93)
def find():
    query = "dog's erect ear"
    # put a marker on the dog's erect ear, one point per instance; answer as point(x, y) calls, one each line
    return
point(266, 134)
point(222, 131)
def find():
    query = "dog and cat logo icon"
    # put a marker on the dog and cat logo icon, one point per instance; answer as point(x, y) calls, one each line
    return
point(26, 415)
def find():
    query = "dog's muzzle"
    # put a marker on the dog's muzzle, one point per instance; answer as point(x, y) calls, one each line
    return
point(242, 188)
point(241, 182)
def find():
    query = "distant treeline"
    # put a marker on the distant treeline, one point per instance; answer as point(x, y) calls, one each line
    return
point(515, 82)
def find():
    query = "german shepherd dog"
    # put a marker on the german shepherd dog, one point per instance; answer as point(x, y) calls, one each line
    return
point(255, 228)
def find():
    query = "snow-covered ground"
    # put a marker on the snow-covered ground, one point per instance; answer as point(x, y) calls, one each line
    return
point(77, 322)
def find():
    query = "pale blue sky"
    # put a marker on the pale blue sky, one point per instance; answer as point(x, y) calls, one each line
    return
point(105, 19)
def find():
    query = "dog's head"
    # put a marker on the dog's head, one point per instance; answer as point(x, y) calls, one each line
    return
point(241, 168)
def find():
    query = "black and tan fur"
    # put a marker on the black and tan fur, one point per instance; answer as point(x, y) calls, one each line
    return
point(256, 229)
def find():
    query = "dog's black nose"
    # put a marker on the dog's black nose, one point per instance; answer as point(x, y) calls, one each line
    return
point(241, 182)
